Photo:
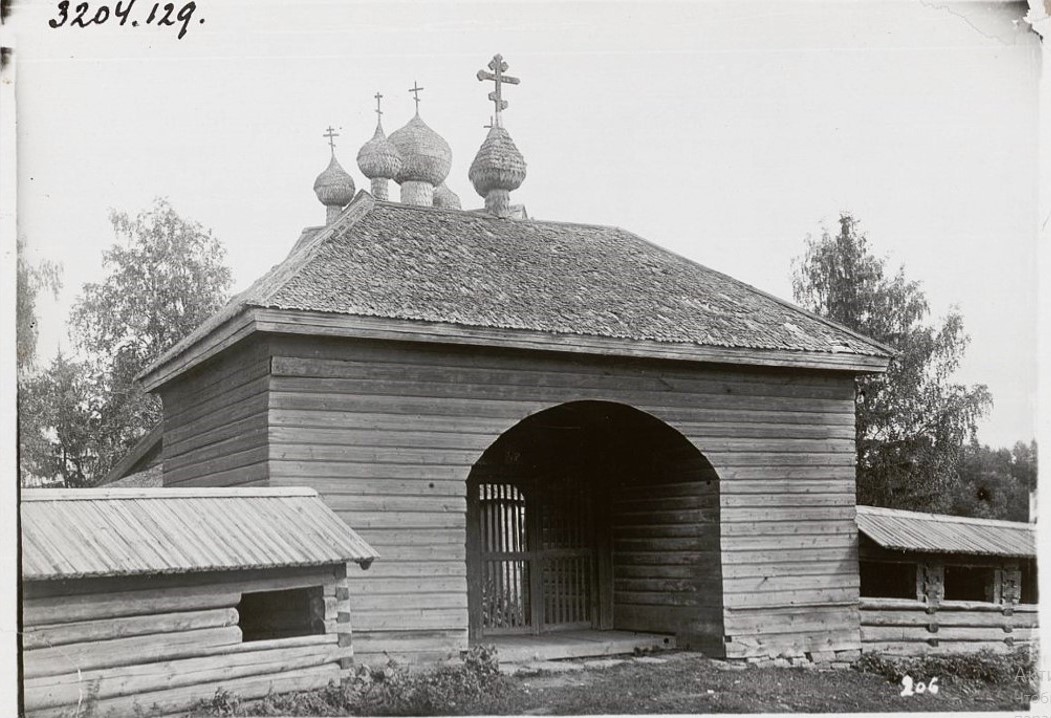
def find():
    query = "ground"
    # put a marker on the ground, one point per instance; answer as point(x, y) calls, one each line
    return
point(691, 683)
point(665, 682)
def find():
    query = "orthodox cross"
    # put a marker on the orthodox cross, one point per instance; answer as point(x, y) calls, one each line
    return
point(331, 134)
point(378, 97)
point(498, 67)
point(416, 95)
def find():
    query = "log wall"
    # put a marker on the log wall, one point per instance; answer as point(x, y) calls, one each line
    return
point(905, 627)
point(666, 558)
point(215, 421)
point(388, 433)
point(158, 644)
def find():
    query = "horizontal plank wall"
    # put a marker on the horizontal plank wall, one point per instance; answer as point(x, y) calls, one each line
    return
point(158, 644)
point(215, 420)
point(388, 433)
point(666, 546)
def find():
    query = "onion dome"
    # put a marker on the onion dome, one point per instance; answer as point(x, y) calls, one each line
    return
point(445, 198)
point(379, 158)
point(425, 156)
point(497, 169)
point(334, 187)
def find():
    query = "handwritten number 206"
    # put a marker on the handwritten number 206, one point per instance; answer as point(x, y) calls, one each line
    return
point(909, 688)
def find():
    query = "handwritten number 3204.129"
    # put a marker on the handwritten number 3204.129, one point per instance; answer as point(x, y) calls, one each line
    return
point(81, 15)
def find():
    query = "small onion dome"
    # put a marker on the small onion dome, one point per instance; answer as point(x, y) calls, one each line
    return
point(334, 187)
point(445, 198)
point(378, 158)
point(425, 156)
point(498, 165)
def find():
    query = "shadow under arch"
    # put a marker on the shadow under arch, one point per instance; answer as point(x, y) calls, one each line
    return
point(594, 514)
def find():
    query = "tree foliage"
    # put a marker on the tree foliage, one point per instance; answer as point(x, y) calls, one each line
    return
point(165, 275)
point(32, 280)
point(995, 483)
point(912, 421)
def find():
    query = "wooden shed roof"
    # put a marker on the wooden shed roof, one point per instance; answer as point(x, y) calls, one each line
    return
point(550, 281)
point(938, 533)
point(79, 533)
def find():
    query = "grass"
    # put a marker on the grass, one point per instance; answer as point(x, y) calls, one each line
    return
point(683, 683)
point(690, 683)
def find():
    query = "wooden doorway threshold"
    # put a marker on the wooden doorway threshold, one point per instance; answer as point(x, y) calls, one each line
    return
point(585, 643)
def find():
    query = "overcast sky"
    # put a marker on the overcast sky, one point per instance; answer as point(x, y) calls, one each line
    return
point(724, 131)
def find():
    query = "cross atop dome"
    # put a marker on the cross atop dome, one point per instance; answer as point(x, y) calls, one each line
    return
point(334, 187)
point(331, 134)
point(498, 67)
point(499, 167)
point(415, 90)
point(378, 159)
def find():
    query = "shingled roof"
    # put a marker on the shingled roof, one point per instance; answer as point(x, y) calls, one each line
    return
point(402, 262)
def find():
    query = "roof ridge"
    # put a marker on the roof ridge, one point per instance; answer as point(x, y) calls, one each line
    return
point(354, 211)
point(287, 267)
point(945, 518)
point(783, 302)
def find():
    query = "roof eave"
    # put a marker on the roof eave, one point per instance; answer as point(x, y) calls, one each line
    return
point(289, 321)
point(892, 546)
point(225, 335)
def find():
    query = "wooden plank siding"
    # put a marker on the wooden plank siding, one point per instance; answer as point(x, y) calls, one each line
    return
point(388, 432)
point(157, 644)
point(666, 557)
point(215, 421)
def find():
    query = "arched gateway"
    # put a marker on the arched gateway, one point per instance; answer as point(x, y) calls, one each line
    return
point(593, 515)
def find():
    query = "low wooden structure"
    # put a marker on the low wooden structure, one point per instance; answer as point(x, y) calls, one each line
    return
point(932, 583)
point(156, 598)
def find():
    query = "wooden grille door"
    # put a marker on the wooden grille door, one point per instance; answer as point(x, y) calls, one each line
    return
point(536, 559)
point(506, 563)
point(566, 555)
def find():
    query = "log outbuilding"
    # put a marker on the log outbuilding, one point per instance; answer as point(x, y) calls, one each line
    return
point(932, 583)
point(155, 598)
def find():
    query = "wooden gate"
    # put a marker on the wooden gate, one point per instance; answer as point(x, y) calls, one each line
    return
point(535, 557)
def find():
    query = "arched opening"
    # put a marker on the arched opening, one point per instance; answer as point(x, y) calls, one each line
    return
point(594, 515)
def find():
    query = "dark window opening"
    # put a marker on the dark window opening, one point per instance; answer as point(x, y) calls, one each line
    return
point(1029, 582)
point(883, 579)
point(281, 614)
point(969, 583)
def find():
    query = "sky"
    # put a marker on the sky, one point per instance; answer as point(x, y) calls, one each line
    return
point(725, 131)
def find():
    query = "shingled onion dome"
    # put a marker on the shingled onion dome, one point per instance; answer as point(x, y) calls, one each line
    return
point(497, 169)
point(425, 161)
point(445, 198)
point(334, 189)
point(380, 161)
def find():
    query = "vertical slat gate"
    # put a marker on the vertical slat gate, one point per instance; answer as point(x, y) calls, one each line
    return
point(537, 558)
point(505, 560)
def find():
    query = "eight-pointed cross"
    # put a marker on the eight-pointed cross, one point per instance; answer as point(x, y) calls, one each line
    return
point(416, 95)
point(331, 134)
point(498, 67)
point(378, 97)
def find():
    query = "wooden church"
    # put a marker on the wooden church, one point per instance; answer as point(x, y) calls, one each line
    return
point(540, 426)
